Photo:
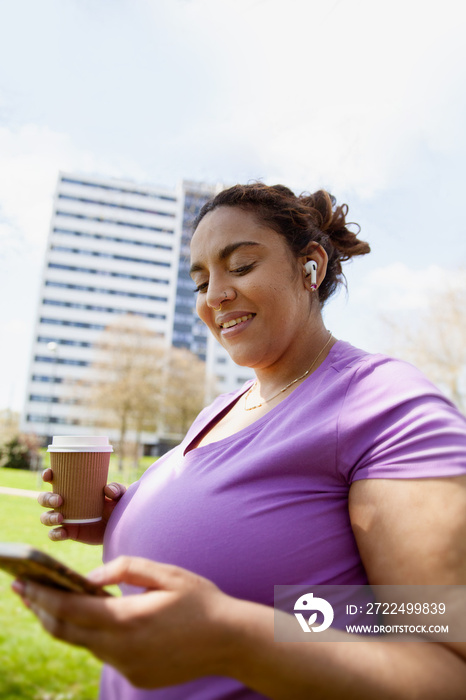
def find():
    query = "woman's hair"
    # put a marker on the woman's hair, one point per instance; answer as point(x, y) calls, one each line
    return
point(300, 220)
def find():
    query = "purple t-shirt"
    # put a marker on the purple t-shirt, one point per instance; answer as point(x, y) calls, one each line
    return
point(269, 505)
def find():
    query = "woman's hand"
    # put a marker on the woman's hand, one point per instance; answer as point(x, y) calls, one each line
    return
point(183, 627)
point(91, 533)
point(172, 633)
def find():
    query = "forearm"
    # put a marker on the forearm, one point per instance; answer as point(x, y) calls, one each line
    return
point(332, 670)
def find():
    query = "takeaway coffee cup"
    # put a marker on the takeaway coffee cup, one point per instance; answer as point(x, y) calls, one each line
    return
point(80, 470)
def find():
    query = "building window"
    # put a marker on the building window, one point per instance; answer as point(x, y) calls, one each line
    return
point(114, 205)
point(65, 341)
point(100, 220)
point(100, 237)
point(106, 273)
point(31, 418)
point(102, 290)
point(100, 309)
point(61, 361)
point(182, 326)
point(180, 337)
point(43, 399)
point(73, 324)
point(98, 254)
point(45, 378)
point(109, 188)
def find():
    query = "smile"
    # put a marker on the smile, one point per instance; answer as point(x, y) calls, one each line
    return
point(235, 321)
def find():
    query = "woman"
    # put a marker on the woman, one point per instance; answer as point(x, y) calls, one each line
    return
point(334, 467)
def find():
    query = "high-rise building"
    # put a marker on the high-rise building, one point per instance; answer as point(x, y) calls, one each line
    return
point(114, 247)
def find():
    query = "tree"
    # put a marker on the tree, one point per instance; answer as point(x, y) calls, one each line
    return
point(125, 389)
point(184, 390)
point(435, 341)
point(9, 425)
point(139, 385)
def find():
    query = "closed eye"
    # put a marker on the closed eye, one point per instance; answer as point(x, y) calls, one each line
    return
point(243, 269)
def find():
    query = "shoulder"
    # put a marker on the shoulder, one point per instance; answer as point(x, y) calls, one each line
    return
point(376, 370)
point(394, 422)
point(377, 382)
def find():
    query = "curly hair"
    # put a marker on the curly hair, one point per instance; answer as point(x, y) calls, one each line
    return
point(301, 220)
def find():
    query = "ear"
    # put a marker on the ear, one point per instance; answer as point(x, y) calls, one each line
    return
point(315, 253)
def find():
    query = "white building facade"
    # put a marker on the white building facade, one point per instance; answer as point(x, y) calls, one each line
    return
point(114, 247)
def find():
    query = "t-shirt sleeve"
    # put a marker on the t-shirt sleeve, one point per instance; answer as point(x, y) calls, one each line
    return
point(395, 424)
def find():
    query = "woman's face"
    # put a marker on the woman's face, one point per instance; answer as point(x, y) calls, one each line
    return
point(248, 268)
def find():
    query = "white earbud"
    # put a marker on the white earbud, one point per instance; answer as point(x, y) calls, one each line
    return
point(311, 269)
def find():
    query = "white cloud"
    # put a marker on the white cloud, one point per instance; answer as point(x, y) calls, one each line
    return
point(340, 93)
point(392, 291)
point(353, 95)
point(398, 287)
point(30, 159)
point(15, 335)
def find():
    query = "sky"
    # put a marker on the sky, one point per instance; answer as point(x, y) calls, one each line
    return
point(366, 99)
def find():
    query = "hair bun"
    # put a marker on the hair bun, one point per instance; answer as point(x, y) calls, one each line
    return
point(330, 218)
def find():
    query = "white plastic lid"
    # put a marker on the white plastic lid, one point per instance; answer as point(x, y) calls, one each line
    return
point(94, 443)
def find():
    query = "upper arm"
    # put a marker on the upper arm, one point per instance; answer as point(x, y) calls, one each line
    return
point(409, 530)
point(394, 423)
point(413, 531)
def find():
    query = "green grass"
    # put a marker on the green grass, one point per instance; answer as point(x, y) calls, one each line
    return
point(35, 666)
point(19, 479)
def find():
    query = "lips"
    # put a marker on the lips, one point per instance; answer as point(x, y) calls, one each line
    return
point(234, 321)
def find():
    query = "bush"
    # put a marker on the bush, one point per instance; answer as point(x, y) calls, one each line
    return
point(21, 452)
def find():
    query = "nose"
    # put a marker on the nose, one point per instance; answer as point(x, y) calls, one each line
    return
point(218, 293)
point(215, 301)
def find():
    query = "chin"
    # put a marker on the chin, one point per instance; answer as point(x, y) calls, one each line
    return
point(242, 359)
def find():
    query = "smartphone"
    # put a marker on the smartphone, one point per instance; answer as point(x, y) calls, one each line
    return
point(28, 564)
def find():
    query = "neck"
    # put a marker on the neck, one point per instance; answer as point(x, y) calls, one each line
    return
point(296, 362)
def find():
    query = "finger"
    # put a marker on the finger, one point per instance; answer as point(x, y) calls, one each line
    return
point(64, 630)
point(86, 611)
point(75, 532)
point(137, 571)
point(47, 499)
point(114, 490)
point(90, 533)
point(51, 518)
point(47, 475)
point(59, 534)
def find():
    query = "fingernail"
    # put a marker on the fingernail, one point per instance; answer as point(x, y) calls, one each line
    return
point(54, 501)
point(113, 489)
point(55, 518)
point(97, 575)
point(18, 587)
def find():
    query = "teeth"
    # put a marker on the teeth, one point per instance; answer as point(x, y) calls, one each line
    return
point(234, 321)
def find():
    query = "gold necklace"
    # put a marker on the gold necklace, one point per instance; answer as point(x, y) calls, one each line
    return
point(251, 408)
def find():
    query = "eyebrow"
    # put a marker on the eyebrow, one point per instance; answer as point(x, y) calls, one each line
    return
point(225, 253)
